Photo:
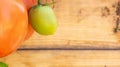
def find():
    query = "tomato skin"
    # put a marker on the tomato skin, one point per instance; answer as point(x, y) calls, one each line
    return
point(43, 19)
point(29, 4)
point(13, 25)
point(30, 32)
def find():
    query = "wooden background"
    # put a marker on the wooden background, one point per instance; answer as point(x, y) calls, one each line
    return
point(70, 58)
point(84, 38)
point(81, 24)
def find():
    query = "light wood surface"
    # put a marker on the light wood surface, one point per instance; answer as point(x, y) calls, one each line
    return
point(81, 23)
point(56, 58)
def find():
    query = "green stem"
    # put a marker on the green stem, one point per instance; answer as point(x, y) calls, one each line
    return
point(39, 2)
point(53, 3)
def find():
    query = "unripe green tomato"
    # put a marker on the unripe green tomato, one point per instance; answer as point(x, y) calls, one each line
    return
point(3, 64)
point(43, 19)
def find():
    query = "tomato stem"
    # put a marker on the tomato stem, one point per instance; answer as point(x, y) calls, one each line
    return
point(39, 2)
point(53, 3)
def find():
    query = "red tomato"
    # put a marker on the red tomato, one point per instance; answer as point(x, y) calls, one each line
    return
point(29, 4)
point(30, 31)
point(13, 25)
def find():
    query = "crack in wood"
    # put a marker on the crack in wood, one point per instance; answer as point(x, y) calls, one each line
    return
point(118, 18)
point(22, 49)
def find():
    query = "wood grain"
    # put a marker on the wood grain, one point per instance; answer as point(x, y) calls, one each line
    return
point(70, 58)
point(83, 24)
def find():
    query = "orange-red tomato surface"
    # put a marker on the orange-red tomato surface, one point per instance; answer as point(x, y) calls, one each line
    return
point(29, 4)
point(13, 25)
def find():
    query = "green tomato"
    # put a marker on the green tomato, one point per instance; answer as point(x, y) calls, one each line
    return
point(3, 64)
point(43, 19)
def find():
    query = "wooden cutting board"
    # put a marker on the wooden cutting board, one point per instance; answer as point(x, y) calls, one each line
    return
point(85, 58)
point(82, 24)
point(85, 38)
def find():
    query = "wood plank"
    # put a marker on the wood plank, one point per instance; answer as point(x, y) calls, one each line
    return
point(70, 58)
point(82, 23)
